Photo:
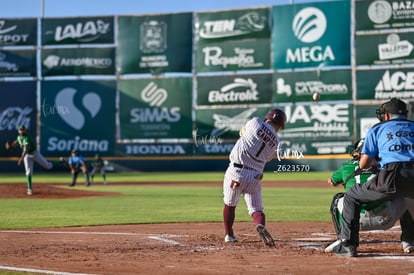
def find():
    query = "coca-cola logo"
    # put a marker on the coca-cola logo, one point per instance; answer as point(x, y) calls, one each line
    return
point(12, 117)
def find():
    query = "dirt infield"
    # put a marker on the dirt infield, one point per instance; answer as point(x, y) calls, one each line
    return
point(190, 248)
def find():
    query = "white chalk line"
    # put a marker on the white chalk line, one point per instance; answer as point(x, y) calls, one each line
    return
point(42, 271)
point(306, 242)
point(159, 237)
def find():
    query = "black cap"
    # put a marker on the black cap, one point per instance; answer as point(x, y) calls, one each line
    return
point(395, 106)
point(21, 127)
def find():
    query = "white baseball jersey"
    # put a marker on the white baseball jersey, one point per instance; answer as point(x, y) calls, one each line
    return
point(256, 146)
point(252, 151)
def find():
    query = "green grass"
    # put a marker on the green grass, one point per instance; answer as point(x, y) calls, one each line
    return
point(164, 176)
point(160, 204)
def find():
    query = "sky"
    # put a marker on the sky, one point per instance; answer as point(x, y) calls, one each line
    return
point(67, 8)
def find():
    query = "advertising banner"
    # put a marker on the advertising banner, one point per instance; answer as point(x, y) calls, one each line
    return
point(155, 108)
point(319, 128)
point(231, 89)
point(232, 25)
point(365, 119)
point(306, 35)
point(385, 84)
point(383, 14)
point(17, 63)
point(155, 44)
point(233, 55)
point(78, 115)
point(17, 107)
point(18, 32)
point(223, 125)
point(385, 49)
point(155, 149)
point(78, 61)
point(233, 40)
point(78, 30)
point(300, 85)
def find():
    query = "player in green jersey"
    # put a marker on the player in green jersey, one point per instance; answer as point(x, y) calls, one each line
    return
point(98, 166)
point(377, 215)
point(29, 155)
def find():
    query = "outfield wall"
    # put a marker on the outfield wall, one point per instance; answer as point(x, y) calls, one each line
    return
point(152, 91)
point(195, 164)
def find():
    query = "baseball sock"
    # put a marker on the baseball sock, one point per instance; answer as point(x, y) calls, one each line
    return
point(87, 182)
point(29, 181)
point(259, 218)
point(74, 176)
point(229, 214)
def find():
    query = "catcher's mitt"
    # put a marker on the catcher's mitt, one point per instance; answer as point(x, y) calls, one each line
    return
point(8, 145)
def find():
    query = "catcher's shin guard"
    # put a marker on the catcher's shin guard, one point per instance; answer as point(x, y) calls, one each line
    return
point(335, 213)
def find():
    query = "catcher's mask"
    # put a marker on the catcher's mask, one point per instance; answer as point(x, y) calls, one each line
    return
point(355, 150)
point(394, 106)
point(277, 116)
point(380, 112)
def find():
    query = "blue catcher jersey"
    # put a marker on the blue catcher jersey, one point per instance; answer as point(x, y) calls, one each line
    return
point(392, 141)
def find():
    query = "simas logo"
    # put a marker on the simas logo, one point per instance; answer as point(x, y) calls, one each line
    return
point(155, 97)
point(240, 90)
point(394, 48)
point(379, 11)
point(12, 117)
point(153, 37)
point(72, 115)
point(247, 23)
point(83, 32)
point(309, 25)
point(224, 123)
point(52, 61)
point(398, 84)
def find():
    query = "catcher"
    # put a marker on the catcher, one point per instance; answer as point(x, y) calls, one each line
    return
point(28, 156)
point(374, 215)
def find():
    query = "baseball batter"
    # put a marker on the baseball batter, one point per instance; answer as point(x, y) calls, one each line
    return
point(29, 155)
point(256, 146)
point(374, 215)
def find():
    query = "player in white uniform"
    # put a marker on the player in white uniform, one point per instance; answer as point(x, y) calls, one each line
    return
point(256, 146)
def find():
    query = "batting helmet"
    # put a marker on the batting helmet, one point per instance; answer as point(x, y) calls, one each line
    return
point(357, 148)
point(277, 116)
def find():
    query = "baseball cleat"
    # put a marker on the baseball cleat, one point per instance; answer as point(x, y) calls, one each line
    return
point(345, 250)
point(264, 235)
point(330, 247)
point(408, 247)
point(29, 192)
point(230, 239)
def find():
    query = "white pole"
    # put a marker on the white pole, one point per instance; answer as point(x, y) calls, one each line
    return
point(42, 8)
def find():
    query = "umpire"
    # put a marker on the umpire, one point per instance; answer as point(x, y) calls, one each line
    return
point(393, 141)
